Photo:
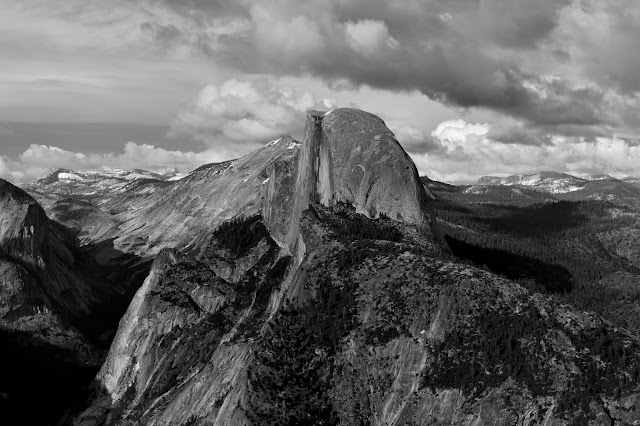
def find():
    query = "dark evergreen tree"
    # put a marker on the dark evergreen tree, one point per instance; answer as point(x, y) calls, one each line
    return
point(288, 382)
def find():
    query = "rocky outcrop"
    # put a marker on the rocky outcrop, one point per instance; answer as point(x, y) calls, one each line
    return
point(181, 350)
point(23, 225)
point(358, 161)
point(57, 306)
point(624, 242)
point(184, 214)
point(38, 264)
point(350, 156)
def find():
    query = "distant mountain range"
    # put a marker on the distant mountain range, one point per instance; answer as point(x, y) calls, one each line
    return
point(91, 184)
point(567, 187)
point(552, 182)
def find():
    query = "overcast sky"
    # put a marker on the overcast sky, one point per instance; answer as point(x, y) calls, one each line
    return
point(470, 87)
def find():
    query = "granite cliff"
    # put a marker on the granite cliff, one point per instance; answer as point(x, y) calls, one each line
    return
point(305, 286)
point(346, 156)
point(56, 304)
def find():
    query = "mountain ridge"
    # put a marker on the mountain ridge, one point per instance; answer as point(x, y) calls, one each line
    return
point(552, 182)
point(336, 165)
point(57, 305)
point(380, 325)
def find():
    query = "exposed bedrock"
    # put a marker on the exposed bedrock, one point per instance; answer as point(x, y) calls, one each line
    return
point(183, 348)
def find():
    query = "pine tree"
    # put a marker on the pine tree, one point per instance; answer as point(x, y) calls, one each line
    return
point(287, 383)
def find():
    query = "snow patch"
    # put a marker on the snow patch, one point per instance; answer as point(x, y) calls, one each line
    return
point(69, 176)
point(273, 142)
point(476, 189)
point(293, 145)
point(328, 112)
point(265, 181)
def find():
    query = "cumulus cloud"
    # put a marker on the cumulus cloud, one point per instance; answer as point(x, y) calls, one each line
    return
point(369, 36)
point(413, 139)
point(554, 72)
point(506, 56)
point(7, 170)
point(279, 33)
point(133, 156)
point(598, 36)
point(459, 131)
point(240, 115)
point(547, 61)
point(469, 151)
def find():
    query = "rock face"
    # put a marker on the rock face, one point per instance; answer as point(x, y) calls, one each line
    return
point(304, 288)
point(23, 224)
point(350, 156)
point(624, 242)
point(41, 252)
point(184, 214)
point(347, 156)
point(357, 160)
point(180, 348)
point(55, 303)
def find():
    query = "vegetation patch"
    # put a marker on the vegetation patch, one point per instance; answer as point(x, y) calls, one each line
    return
point(496, 345)
point(240, 234)
point(347, 225)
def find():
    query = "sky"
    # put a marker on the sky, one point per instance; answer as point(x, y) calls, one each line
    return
point(469, 87)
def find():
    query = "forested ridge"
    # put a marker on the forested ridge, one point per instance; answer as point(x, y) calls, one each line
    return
point(550, 247)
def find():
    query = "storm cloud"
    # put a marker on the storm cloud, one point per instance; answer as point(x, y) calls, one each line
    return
point(235, 73)
point(501, 55)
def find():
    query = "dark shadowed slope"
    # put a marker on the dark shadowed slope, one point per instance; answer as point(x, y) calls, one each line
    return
point(56, 304)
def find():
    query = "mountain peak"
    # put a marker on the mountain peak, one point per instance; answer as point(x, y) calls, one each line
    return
point(24, 223)
point(599, 177)
point(8, 191)
point(358, 160)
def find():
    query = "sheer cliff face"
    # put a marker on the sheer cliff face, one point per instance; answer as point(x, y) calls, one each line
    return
point(23, 224)
point(358, 161)
point(182, 347)
point(47, 295)
point(46, 283)
point(350, 156)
